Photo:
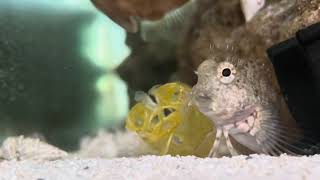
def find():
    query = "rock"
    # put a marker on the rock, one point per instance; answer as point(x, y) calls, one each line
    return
point(20, 148)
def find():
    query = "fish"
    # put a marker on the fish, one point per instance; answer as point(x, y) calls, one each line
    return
point(238, 90)
point(243, 100)
point(127, 12)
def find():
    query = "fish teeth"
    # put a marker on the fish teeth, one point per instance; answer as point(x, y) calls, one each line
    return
point(250, 121)
point(243, 126)
point(246, 125)
point(253, 131)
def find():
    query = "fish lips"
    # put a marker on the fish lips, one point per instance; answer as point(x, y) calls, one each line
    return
point(223, 118)
point(238, 116)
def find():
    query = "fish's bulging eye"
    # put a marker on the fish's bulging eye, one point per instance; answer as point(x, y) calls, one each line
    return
point(226, 72)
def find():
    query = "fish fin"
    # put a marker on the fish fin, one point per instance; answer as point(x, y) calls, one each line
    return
point(170, 26)
point(216, 144)
point(285, 139)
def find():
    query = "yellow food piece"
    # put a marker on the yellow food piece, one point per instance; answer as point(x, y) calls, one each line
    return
point(172, 125)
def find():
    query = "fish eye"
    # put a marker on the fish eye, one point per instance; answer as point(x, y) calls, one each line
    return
point(226, 72)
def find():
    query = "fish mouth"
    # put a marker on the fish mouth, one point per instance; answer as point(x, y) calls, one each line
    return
point(238, 116)
point(244, 126)
point(242, 121)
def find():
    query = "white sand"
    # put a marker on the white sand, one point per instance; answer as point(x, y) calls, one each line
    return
point(153, 167)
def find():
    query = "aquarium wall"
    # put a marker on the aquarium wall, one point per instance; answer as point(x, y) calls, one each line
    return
point(57, 78)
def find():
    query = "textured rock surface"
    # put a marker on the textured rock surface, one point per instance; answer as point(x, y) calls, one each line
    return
point(217, 32)
point(153, 167)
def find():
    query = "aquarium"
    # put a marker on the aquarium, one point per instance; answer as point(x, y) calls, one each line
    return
point(159, 89)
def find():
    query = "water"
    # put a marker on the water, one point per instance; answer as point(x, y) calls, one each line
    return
point(57, 61)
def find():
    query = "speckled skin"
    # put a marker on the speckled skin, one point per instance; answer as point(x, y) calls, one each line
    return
point(251, 89)
point(254, 85)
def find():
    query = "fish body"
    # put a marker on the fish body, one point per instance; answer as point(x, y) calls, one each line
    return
point(243, 100)
point(236, 84)
point(172, 26)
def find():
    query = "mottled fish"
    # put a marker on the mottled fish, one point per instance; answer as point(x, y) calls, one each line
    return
point(242, 98)
point(238, 90)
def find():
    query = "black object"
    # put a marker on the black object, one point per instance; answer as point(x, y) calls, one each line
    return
point(297, 65)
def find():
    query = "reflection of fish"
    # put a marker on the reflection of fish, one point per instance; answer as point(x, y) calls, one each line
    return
point(171, 26)
point(123, 12)
point(168, 123)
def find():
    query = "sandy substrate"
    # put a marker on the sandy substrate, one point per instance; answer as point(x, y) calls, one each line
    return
point(153, 167)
